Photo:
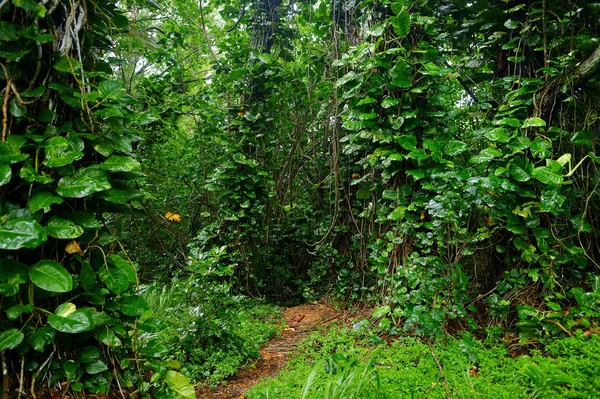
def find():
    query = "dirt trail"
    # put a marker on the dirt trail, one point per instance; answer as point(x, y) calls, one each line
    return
point(301, 320)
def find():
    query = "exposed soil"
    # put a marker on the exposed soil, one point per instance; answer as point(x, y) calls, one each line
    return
point(300, 320)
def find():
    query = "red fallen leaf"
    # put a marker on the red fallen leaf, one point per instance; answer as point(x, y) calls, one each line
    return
point(473, 371)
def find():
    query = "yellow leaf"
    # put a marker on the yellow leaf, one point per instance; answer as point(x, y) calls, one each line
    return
point(73, 248)
point(173, 217)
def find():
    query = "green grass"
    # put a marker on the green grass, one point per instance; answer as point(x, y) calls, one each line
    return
point(208, 331)
point(405, 368)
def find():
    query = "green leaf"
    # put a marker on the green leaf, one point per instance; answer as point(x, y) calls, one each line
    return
point(511, 24)
point(397, 213)
point(15, 311)
point(363, 193)
point(51, 276)
point(29, 174)
point(584, 137)
point(407, 142)
point(82, 186)
point(519, 169)
point(381, 311)
point(11, 270)
point(63, 228)
point(89, 354)
point(10, 153)
point(29, 5)
point(120, 164)
point(87, 277)
point(133, 305)
point(455, 147)
point(58, 153)
point(107, 336)
point(551, 199)
point(69, 320)
point(5, 174)
point(115, 279)
point(418, 153)
point(10, 339)
point(67, 64)
point(533, 122)
point(43, 201)
point(111, 89)
point(549, 174)
point(401, 24)
point(8, 31)
point(124, 265)
point(19, 233)
point(180, 384)
point(42, 337)
point(95, 367)
point(510, 122)
point(498, 134)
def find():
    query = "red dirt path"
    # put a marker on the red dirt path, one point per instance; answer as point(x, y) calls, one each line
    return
point(300, 320)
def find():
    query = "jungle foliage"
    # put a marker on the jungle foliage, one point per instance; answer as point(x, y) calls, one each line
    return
point(438, 159)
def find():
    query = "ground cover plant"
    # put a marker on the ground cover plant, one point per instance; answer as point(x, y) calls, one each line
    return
point(406, 368)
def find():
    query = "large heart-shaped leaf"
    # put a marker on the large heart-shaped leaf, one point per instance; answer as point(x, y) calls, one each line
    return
point(51, 276)
point(29, 174)
point(401, 23)
point(63, 228)
point(121, 164)
point(19, 233)
point(43, 201)
point(107, 336)
point(10, 338)
point(42, 337)
point(550, 174)
point(10, 153)
point(58, 153)
point(69, 320)
point(95, 367)
point(126, 266)
point(133, 305)
point(111, 89)
point(180, 384)
point(115, 279)
point(82, 186)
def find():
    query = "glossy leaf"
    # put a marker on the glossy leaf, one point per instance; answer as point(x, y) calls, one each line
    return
point(51, 276)
point(115, 278)
point(43, 200)
point(133, 305)
point(69, 319)
point(82, 186)
point(5, 174)
point(179, 383)
point(19, 233)
point(9, 339)
point(10, 153)
point(63, 228)
point(120, 164)
point(41, 337)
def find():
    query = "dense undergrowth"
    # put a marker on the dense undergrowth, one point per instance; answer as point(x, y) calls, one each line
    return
point(207, 331)
point(343, 363)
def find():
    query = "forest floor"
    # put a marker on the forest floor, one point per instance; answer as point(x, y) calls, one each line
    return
point(299, 322)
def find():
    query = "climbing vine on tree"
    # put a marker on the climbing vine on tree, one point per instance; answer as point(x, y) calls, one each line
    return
point(70, 308)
